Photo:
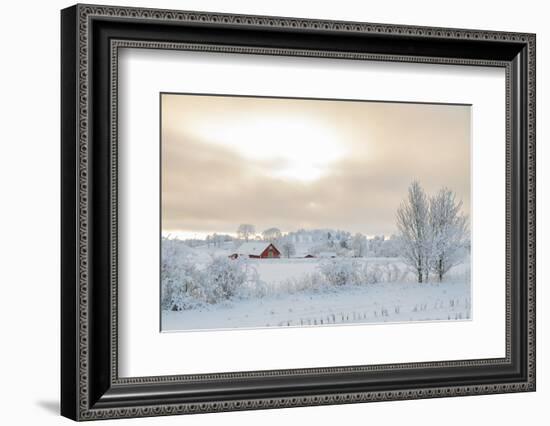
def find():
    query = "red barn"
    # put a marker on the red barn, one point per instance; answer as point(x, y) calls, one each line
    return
point(257, 250)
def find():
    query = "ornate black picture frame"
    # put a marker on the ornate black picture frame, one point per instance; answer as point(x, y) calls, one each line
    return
point(90, 38)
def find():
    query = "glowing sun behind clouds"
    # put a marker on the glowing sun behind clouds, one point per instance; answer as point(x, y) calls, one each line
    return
point(294, 147)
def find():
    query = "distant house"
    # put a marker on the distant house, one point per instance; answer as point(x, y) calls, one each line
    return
point(257, 250)
point(327, 254)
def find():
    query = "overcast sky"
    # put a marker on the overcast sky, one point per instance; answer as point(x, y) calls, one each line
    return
point(294, 164)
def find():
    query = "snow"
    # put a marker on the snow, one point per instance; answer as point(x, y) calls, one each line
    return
point(278, 270)
point(327, 254)
point(375, 303)
point(221, 293)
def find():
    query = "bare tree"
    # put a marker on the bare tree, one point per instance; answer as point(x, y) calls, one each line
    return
point(449, 231)
point(414, 231)
point(271, 234)
point(245, 231)
point(288, 249)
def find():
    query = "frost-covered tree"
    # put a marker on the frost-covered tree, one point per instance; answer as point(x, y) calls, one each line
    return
point(377, 245)
point(271, 234)
point(449, 231)
point(413, 217)
point(217, 240)
point(245, 231)
point(288, 249)
point(359, 245)
point(391, 246)
point(224, 238)
point(330, 241)
point(380, 246)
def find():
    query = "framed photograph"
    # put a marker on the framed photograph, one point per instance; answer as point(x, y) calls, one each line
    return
point(263, 212)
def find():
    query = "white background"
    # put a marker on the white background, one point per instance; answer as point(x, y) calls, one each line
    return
point(146, 352)
point(29, 225)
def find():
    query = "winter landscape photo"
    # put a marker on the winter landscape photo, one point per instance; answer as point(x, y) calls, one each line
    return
point(291, 212)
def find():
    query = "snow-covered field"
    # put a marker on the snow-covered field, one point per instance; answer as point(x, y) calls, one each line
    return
point(278, 270)
point(373, 303)
point(289, 297)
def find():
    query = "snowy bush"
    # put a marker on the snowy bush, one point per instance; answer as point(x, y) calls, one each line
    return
point(313, 281)
point(222, 278)
point(372, 274)
point(180, 279)
point(382, 273)
point(184, 286)
point(253, 286)
point(395, 273)
point(340, 272)
point(305, 282)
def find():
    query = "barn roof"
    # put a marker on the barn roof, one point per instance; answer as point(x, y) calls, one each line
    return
point(253, 248)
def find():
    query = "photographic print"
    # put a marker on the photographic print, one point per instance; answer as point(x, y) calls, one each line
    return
point(295, 212)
